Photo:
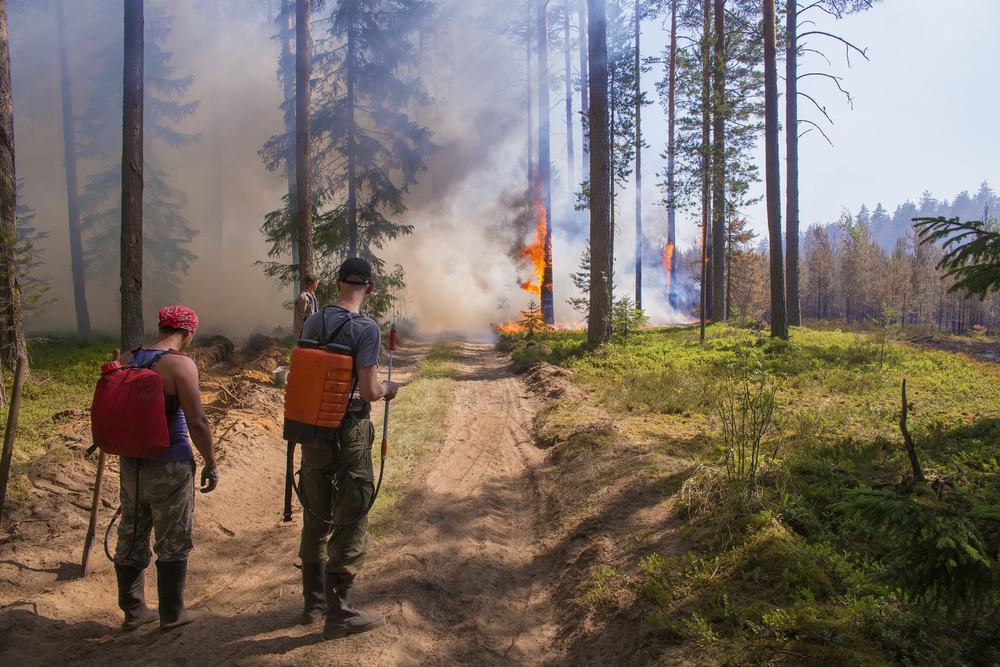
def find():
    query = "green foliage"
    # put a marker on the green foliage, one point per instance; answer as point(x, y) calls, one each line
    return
point(935, 555)
point(581, 281)
point(440, 361)
point(366, 141)
point(746, 410)
point(971, 252)
point(532, 320)
point(63, 376)
point(626, 318)
point(167, 234)
point(780, 567)
point(30, 258)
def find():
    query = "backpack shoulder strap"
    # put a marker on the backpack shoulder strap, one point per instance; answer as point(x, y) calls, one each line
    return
point(159, 355)
point(326, 339)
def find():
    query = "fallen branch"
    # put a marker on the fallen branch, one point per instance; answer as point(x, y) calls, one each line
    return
point(911, 450)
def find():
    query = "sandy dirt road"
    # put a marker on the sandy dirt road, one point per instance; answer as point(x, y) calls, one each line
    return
point(460, 580)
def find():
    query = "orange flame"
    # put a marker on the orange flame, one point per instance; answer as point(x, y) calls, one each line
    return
point(535, 252)
point(668, 262)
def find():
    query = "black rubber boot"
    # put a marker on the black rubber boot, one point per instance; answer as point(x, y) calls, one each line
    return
point(341, 618)
point(313, 592)
point(132, 597)
point(170, 579)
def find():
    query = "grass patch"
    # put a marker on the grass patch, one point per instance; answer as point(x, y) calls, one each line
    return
point(416, 422)
point(440, 361)
point(779, 572)
point(62, 377)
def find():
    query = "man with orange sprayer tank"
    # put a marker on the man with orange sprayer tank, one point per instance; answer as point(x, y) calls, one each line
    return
point(337, 478)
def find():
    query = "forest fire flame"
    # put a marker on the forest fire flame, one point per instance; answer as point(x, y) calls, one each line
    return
point(535, 252)
point(668, 262)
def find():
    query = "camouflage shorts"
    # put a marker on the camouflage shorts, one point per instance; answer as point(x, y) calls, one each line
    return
point(157, 497)
point(338, 483)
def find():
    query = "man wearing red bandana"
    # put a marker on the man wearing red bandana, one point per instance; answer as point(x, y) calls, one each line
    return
point(157, 494)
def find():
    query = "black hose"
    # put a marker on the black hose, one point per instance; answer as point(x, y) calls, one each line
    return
point(107, 534)
point(334, 524)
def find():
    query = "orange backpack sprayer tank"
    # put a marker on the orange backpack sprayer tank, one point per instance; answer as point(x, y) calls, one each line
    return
point(318, 392)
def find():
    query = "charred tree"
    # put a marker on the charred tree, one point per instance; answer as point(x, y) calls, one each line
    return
point(303, 190)
point(706, 157)
point(792, 155)
point(772, 178)
point(671, 153)
point(568, 64)
point(719, 109)
point(10, 290)
point(351, 100)
point(584, 81)
point(600, 177)
point(286, 71)
point(638, 157)
point(544, 162)
point(132, 177)
point(528, 95)
point(77, 265)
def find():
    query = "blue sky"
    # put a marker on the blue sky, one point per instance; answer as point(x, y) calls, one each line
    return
point(922, 117)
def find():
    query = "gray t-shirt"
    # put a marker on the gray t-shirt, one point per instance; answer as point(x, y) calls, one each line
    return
point(361, 334)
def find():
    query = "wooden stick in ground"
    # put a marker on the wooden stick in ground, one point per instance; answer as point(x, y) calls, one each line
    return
point(911, 450)
point(11, 431)
point(96, 503)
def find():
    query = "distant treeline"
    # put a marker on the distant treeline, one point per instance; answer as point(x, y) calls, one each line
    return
point(869, 269)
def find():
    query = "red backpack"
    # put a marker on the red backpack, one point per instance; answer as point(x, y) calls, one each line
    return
point(128, 415)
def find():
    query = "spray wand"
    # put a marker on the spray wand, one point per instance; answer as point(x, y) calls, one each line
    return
point(385, 420)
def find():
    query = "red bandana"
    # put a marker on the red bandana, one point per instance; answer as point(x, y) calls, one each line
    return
point(179, 317)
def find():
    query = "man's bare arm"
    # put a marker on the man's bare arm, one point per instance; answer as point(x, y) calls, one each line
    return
point(371, 389)
point(189, 395)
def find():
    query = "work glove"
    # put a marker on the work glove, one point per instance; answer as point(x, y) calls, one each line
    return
point(209, 478)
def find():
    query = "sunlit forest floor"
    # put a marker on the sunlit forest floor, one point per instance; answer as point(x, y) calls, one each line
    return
point(830, 552)
point(625, 539)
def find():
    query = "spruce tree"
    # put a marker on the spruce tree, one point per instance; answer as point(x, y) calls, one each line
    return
point(367, 150)
point(167, 234)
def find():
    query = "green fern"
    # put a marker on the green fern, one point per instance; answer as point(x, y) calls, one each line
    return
point(971, 252)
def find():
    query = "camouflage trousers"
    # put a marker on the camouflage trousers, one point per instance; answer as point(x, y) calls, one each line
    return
point(337, 483)
point(157, 497)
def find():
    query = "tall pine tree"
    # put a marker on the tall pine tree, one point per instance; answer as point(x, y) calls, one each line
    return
point(366, 149)
point(167, 234)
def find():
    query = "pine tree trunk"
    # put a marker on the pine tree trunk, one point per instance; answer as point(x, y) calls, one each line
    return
point(132, 177)
point(352, 149)
point(303, 173)
point(600, 177)
point(719, 111)
point(779, 321)
point(671, 150)
point(584, 82)
point(216, 218)
point(792, 150)
point(10, 291)
point(568, 64)
point(638, 158)
point(706, 156)
point(613, 195)
point(287, 65)
point(544, 161)
point(529, 94)
point(72, 189)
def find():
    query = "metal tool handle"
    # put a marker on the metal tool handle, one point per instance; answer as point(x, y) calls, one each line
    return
point(289, 470)
point(385, 419)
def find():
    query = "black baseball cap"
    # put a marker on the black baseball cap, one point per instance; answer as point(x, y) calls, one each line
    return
point(355, 271)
